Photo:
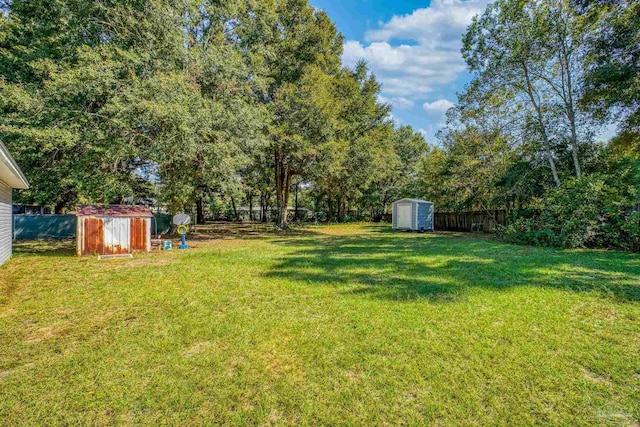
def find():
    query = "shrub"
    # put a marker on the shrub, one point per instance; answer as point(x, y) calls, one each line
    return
point(594, 211)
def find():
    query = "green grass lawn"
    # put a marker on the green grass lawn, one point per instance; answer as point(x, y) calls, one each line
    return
point(336, 325)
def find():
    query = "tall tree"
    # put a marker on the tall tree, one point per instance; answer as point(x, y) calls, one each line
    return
point(296, 48)
point(347, 165)
point(529, 52)
point(565, 48)
point(100, 98)
point(464, 173)
point(303, 122)
point(500, 46)
point(613, 60)
point(396, 173)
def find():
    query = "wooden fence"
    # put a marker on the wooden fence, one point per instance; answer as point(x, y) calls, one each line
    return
point(469, 221)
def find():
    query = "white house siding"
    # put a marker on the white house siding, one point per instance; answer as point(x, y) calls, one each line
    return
point(6, 225)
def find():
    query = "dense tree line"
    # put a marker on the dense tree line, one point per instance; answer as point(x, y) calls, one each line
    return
point(193, 103)
point(547, 76)
point(221, 104)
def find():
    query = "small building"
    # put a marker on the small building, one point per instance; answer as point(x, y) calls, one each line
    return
point(10, 177)
point(113, 229)
point(412, 214)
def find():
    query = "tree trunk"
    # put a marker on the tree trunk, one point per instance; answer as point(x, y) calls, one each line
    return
point(235, 210)
point(330, 203)
point(543, 130)
point(574, 148)
point(267, 208)
point(250, 197)
point(279, 179)
point(295, 215)
point(283, 188)
point(200, 210)
point(571, 114)
point(552, 164)
point(316, 206)
point(263, 207)
point(287, 191)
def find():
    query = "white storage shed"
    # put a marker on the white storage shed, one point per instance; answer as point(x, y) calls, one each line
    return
point(412, 214)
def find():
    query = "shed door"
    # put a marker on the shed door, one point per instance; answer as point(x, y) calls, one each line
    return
point(404, 216)
point(93, 229)
point(116, 235)
point(138, 231)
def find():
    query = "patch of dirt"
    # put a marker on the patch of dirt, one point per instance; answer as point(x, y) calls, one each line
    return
point(138, 262)
point(275, 416)
point(592, 376)
point(248, 230)
point(8, 313)
point(279, 364)
point(48, 332)
point(196, 348)
point(353, 375)
point(45, 247)
point(609, 314)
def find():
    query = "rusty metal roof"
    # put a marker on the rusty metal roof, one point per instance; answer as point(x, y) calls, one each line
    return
point(114, 211)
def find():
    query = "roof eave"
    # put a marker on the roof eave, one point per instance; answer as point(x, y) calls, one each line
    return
point(16, 178)
point(115, 211)
point(408, 199)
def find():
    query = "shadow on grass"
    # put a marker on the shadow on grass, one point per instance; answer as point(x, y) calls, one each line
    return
point(45, 247)
point(247, 230)
point(207, 232)
point(443, 266)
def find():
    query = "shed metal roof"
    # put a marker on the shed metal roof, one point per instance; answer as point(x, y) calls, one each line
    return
point(114, 211)
point(413, 200)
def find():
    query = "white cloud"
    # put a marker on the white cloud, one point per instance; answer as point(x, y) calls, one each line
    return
point(399, 102)
point(433, 58)
point(436, 111)
point(426, 133)
point(429, 133)
point(443, 20)
point(440, 106)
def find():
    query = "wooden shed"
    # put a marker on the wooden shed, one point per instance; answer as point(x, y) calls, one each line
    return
point(412, 214)
point(113, 229)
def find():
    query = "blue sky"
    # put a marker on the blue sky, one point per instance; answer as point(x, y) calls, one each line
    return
point(413, 47)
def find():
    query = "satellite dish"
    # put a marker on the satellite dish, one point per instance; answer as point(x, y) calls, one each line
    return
point(181, 219)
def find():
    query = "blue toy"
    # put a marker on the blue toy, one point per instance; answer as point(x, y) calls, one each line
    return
point(182, 221)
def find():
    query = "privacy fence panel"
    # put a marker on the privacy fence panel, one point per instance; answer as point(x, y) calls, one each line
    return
point(28, 227)
point(161, 224)
point(470, 221)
